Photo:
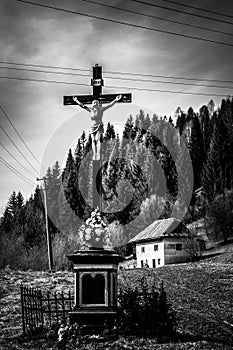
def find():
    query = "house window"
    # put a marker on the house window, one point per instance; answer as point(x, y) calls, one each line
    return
point(153, 263)
point(159, 261)
point(156, 247)
point(178, 246)
point(170, 246)
point(142, 249)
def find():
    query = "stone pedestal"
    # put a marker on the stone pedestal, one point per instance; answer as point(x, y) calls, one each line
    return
point(95, 286)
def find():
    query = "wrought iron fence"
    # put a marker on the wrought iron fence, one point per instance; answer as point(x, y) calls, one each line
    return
point(40, 310)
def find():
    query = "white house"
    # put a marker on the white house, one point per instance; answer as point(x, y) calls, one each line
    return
point(163, 242)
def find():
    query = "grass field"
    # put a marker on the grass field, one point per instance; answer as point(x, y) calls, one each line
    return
point(200, 293)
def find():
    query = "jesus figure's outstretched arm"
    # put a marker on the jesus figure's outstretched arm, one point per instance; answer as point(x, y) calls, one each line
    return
point(112, 103)
point(81, 104)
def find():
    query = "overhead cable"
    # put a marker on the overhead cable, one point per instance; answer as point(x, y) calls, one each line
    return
point(119, 72)
point(198, 8)
point(117, 87)
point(158, 17)
point(16, 172)
point(18, 134)
point(119, 78)
point(133, 25)
point(4, 131)
point(18, 161)
point(179, 11)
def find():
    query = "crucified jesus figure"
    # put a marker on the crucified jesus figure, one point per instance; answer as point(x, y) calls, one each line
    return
point(96, 113)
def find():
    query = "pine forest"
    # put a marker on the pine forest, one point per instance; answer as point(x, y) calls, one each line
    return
point(146, 175)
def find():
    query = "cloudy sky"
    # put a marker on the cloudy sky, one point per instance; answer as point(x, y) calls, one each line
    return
point(38, 36)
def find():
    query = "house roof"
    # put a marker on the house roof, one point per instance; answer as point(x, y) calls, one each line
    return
point(171, 227)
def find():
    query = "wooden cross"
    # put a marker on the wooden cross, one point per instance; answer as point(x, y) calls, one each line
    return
point(97, 83)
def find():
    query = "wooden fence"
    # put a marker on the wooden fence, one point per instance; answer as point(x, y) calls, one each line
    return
point(43, 310)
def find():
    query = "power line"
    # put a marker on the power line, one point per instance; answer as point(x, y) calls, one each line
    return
point(171, 82)
point(16, 172)
point(117, 87)
point(179, 11)
point(123, 79)
point(198, 8)
point(7, 117)
point(43, 81)
point(45, 66)
point(127, 23)
point(171, 77)
point(158, 17)
point(44, 71)
point(2, 128)
point(16, 159)
point(120, 73)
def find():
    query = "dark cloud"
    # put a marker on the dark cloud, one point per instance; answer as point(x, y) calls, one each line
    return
point(34, 34)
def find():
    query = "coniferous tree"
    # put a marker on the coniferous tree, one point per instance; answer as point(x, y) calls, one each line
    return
point(128, 129)
point(226, 115)
point(7, 222)
point(196, 148)
point(135, 128)
point(180, 120)
point(190, 114)
point(212, 171)
point(34, 224)
point(210, 107)
point(12, 205)
point(146, 167)
point(78, 153)
point(108, 132)
point(83, 140)
point(218, 171)
point(37, 199)
point(166, 157)
point(53, 184)
point(20, 200)
point(221, 216)
point(68, 220)
point(185, 181)
point(141, 118)
point(171, 121)
point(147, 122)
point(206, 129)
point(69, 178)
point(10, 220)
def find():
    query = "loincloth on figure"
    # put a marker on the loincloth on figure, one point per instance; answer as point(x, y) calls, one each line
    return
point(97, 128)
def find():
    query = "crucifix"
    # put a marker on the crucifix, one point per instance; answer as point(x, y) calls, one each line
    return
point(96, 111)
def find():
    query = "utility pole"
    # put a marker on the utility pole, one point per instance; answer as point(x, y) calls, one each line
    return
point(49, 241)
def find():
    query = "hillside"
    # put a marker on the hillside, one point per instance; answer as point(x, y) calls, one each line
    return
point(200, 293)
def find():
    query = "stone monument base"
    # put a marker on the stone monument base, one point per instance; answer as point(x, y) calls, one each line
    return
point(93, 321)
point(95, 272)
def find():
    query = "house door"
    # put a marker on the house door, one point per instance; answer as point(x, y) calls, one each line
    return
point(153, 263)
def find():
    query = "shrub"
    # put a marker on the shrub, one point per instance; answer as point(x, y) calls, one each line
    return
point(145, 311)
point(15, 253)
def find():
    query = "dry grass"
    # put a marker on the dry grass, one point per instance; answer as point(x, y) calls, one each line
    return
point(200, 293)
